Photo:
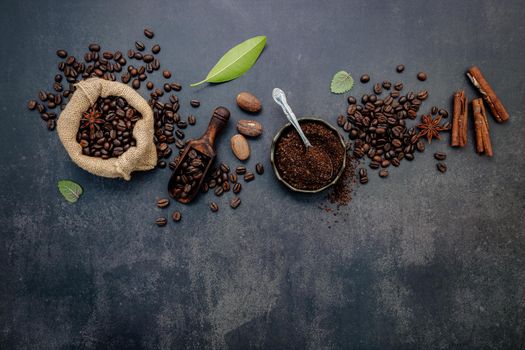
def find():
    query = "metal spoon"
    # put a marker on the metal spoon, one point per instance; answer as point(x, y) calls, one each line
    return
point(280, 98)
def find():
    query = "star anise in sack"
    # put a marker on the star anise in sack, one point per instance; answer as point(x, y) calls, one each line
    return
point(431, 127)
point(90, 119)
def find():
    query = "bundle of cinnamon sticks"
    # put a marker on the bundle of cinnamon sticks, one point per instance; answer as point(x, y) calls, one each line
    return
point(481, 126)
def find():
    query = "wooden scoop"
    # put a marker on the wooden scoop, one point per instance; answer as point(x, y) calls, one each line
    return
point(195, 160)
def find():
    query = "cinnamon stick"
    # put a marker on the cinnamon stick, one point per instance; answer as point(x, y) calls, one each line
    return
point(460, 120)
point(481, 127)
point(498, 110)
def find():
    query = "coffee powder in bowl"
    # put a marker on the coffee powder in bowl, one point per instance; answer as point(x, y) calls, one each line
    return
point(308, 170)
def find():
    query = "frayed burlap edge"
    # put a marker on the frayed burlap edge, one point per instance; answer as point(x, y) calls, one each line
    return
point(141, 157)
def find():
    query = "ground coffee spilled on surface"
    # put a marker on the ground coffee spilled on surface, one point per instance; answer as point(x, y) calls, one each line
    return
point(309, 169)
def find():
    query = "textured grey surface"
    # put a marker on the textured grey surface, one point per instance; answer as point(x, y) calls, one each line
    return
point(419, 260)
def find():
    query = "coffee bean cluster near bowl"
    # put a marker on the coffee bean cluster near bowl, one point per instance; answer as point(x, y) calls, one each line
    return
point(378, 125)
point(106, 128)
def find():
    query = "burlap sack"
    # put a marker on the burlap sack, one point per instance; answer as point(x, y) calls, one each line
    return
point(141, 157)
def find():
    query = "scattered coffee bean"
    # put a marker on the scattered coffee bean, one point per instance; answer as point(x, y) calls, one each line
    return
point(149, 85)
point(398, 86)
point(377, 89)
point(140, 45)
point(32, 104)
point(191, 119)
point(176, 216)
point(240, 170)
point(443, 113)
point(400, 68)
point(422, 76)
point(235, 202)
point(249, 176)
point(166, 74)
point(155, 49)
point(420, 146)
point(162, 221)
point(163, 202)
point(195, 103)
point(259, 168)
point(365, 78)
point(62, 53)
point(442, 167)
point(148, 33)
point(383, 173)
point(440, 155)
point(237, 188)
point(214, 207)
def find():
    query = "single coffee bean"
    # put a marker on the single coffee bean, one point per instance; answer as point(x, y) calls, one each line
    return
point(377, 89)
point(363, 180)
point(233, 178)
point(140, 45)
point(440, 155)
point(94, 47)
point(387, 85)
point(422, 76)
point(400, 68)
point(195, 103)
point(148, 58)
point(135, 84)
point(219, 191)
point(161, 164)
point(383, 173)
point(249, 176)
point(162, 221)
point(240, 170)
point(148, 33)
point(176, 86)
point(167, 87)
point(166, 74)
point(442, 167)
point(259, 168)
point(398, 86)
point(214, 207)
point(420, 146)
point(176, 216)
point(434, 110)
point(149, 85)
point(32, 104)
point(443, 113)
point(365, 78)
point(62, 53)
point(155, 49)
point(191, 119)
point(352, 100)
point(237, 187)
point(235, 202)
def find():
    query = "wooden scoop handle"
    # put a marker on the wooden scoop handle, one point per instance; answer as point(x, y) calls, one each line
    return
point(218, 121)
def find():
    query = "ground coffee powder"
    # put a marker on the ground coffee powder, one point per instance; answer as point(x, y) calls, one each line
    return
point(314, 168)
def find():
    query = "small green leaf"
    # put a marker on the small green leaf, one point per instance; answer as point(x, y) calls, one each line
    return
point(236, 61)
point(70, 190)
point(341, 82)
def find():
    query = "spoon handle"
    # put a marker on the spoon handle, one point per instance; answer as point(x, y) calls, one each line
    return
point(280, 98)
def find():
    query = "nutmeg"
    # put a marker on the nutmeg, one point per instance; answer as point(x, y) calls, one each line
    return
point(248, 102)
point(240, 147)
point(249, 128)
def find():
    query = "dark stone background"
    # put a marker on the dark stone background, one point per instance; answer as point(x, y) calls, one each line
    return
point(419, 260)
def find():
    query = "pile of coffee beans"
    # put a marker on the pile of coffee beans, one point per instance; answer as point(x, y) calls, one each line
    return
point(106, 129)
point(378, 124)
point(135, 69)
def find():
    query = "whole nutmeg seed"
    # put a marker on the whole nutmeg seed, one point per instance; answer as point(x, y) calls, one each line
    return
point(249, 128)
point(248, 102)
point(240, 147)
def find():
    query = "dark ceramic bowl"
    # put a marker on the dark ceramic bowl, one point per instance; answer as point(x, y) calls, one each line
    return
point(278, 136)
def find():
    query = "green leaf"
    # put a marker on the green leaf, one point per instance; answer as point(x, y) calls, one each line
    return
point(70, 190)
point(236, 61)
point(341, 82)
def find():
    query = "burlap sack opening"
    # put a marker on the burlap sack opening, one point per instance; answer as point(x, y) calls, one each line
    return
point(141, 157)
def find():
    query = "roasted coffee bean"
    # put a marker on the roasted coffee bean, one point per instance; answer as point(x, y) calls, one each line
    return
point(176, 86)
point(176, 216)
point(377, 89)
point(443, 113)
point(365, 78)
point(163, 202)
point(434, 110)
point(148, 33)
point(155, 49)
point(387, 85)
point(398, 86)
point(259, 168)
point(249, 176)
point(233, 178)
point(167, 87)
point(363, 180)
point(166, 74)
point(219, 191)
point(62, 53)
point(32, 104)
point(149, 85)
point(148, 58)
point(161, 164)
point(191, 119)
point(440, 155)
point(351, 100)
point(162, 221)
point(135, 84)
point(420, 146)
point(195, 103)
point(400, 68)
point(442, 167)
point(240, 170)
point(94, 47)
point(237, 187)
point(362, 172)
point(214, 207)
point(226, 186)
point(139, 45)
point(422, 76)
point(383, 173)
point(235, 202)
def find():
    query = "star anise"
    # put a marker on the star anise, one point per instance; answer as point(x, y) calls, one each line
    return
point(430, 127)
point(90, 119)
